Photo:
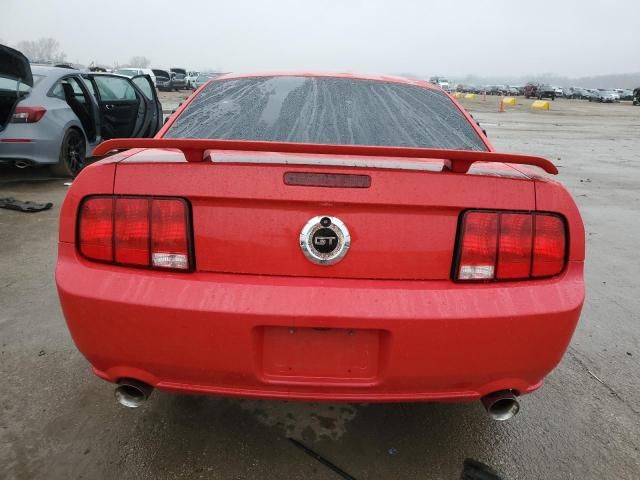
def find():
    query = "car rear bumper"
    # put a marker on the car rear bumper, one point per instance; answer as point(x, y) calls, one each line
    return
point(29, 143)
point(317, 339)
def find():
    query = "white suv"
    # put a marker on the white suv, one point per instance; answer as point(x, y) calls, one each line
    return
point(191, 77)
point(135, 71)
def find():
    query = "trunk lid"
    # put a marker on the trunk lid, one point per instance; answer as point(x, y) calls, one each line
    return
point(15, 73)
point(15, 66)
point(247, 220)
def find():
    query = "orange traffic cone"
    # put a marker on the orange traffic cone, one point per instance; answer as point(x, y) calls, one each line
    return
point(501, 106)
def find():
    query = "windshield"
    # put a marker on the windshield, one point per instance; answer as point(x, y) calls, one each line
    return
point(326, 110)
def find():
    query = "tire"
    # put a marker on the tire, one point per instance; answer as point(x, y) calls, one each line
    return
point(72, 157)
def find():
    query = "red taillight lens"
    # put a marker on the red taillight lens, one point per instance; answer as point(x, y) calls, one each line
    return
point(132, 231)
point(95, 229)
point(510, 246)
point(549, 246)
point(28, 114)
point(516, 234)
point(138, 231)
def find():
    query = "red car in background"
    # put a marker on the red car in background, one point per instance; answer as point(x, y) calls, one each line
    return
point(321, 237)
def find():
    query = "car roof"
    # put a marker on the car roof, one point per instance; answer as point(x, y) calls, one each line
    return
point(51, 76)
point(353, 76)
point(52, 71)
point(100, 74)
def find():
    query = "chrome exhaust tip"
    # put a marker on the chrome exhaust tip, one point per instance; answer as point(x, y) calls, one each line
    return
point(132, 393)
point(502, 405)
point(22, 164)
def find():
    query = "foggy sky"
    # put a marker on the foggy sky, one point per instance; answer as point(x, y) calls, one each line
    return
point(451, 38)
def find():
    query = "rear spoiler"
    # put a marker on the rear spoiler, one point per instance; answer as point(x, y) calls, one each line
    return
point(458, 161)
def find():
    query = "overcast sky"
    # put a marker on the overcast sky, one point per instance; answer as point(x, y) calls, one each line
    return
point(451, 38)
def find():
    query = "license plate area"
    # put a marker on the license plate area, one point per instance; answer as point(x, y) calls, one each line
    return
point(320, 355)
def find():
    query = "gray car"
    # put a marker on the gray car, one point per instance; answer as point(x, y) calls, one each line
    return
point(204, 78)
point(56, 116)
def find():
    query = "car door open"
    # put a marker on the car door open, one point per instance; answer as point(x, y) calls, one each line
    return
point(154, 107)
point(122, 106)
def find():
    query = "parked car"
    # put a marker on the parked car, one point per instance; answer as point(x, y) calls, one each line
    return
point(545, 91)
point(530, 90)
point(164, 79)
point(512, 91)
point(624, 93)
point(604, 96)
point(204, 78)
point(135, 72)
point(442, 82)
point(178, 81)
point(636, 96)
point(191, 77)
point(576, 93)
point(56, 116)
point(496, 89)
point(349, 272)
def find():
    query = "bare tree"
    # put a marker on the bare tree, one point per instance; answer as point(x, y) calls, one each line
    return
point(42, 50)
point(139, 61)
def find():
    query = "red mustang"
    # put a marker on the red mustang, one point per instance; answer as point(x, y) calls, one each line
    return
point(321, 237)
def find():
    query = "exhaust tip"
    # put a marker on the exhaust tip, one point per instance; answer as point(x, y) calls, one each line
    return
point(132, 393)
point(502, 405)
point(22, 164)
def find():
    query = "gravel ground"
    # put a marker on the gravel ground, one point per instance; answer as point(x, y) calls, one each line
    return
point(57, 421)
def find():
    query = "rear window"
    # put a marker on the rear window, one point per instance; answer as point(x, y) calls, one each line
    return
point(326, 110)
point(11, 84)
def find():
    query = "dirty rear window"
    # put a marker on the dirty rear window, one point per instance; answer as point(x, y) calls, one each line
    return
point(326, 110)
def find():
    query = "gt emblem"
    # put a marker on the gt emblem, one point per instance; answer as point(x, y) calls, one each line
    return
point(320, 241)
point(325, 240)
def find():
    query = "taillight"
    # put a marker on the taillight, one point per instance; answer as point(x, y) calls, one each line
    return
point(169, 238)
point(95, 228)
point(510, 246)
point(136, 231)
point(549, 245)
point(28, 114)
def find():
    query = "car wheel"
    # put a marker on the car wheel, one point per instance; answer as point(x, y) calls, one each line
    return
point(72, 155)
